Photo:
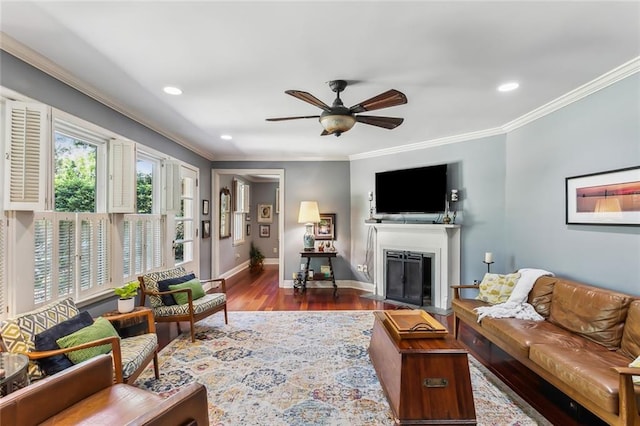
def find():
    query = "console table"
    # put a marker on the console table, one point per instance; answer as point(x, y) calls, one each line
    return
point(321, 254)
point(426, 381)
point(13, 374)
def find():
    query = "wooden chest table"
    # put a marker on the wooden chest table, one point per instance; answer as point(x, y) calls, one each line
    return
point(426, 381)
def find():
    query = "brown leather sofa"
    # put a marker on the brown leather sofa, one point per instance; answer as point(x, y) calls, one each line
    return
point(583, 347)
point(86, 395)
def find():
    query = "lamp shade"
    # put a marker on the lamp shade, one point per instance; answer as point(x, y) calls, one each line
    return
point(309, 212)
point(337, 123)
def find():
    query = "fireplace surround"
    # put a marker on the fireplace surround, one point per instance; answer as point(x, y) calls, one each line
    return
point(440, 242)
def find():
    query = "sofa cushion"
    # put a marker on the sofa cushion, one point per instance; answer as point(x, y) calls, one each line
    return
point(496, 288)
point(206, 303)
point(595, 313)
point(100, 329)
point(151, 279)
point(519, 335)
point(541, 294)
point(586, 370)
point(134, 350)
point(18, 334)
point(163, 285)
point(630, 345)
point(46, 341)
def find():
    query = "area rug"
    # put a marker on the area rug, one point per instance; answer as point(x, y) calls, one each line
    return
point(302, 368)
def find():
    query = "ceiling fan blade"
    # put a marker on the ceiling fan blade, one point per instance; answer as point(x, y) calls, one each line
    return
point(308, 97)
point(384, 122)
point(384, 100)
point(292, 118)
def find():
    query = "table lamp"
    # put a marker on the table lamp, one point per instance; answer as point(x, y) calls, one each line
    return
point(309, 214)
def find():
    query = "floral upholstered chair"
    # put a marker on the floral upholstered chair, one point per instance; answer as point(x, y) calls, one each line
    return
point(58, 335)
point(175, 295)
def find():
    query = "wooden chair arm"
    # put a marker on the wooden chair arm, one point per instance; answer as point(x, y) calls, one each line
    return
point(456, 289)
point(115, 350)
point(222, 285)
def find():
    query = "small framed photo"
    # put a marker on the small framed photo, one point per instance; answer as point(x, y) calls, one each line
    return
point(205, 207)
point(265, 213)
point(326, 228)
point(265, 231)
point(606, 198)
point(206, 228)
point(248, 229)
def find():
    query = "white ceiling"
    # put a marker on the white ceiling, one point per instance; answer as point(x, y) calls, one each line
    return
point(234, 60)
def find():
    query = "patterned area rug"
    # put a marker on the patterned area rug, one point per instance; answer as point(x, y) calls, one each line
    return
point(302, 368)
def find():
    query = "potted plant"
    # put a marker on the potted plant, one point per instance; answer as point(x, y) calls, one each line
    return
point(256, 259)
point(127, 294)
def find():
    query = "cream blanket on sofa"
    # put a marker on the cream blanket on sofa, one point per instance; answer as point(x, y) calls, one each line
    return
point(516, 306)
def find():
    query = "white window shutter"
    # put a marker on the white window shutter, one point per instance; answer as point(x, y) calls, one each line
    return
point(246, 208)
point(171, 189)
point(27, 135)
point(3, 266)
point(122, 176)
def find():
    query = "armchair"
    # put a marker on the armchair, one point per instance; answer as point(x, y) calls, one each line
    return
point(192, 311)
point(130, 355)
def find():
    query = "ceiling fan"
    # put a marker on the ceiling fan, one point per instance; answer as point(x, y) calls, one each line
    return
point(337, 119)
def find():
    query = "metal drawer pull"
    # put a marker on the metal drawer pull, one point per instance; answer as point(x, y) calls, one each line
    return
point(435, 382)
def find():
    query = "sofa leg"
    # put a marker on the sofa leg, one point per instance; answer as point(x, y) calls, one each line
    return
point(456, 326)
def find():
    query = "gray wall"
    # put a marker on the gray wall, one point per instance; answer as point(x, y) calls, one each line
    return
point(598, 133)
point(476, 169)
point(327, 183)
point(264, 193)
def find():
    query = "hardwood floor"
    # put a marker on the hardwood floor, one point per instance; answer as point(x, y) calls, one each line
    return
point(260, 292)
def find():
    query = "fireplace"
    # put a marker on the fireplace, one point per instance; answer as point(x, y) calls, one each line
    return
point(408, 277)
point(440, 243)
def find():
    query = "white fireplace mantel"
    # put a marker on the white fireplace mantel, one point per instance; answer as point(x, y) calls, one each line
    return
point(441, 241)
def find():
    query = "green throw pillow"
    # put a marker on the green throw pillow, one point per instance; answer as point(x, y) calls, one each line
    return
point(496, 288)
point(100, 329)
point(196, 291)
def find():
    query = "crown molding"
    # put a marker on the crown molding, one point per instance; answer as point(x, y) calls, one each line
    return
point(605, 80)
point(278, 159)
point(429, 144)
point(35, 59)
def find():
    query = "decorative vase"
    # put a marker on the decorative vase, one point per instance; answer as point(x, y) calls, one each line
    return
point(126, 305)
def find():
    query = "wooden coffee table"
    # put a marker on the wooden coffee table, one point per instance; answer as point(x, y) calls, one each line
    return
point(426, 380)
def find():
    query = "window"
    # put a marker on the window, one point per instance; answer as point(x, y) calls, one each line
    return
point(142, 244)
point(185, 221)
point(241, 207)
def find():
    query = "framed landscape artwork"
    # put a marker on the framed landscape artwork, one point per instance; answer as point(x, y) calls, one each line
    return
point(265, 231)
point(605, 198)
point(326, 228)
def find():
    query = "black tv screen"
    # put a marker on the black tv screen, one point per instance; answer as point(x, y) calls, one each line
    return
point(419, 190)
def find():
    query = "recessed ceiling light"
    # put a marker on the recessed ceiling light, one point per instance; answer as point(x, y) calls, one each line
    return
point(507, 87)
point(170, 90)
point(226, 137)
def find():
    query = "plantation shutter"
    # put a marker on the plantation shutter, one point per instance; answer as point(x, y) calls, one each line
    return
point(126, 248)
point(3, 268)
point(66, 245)
point(171, 189)
point(156, 241)
point(122, 176)
point(43, 257)
point(93, 265)
point(27, 134)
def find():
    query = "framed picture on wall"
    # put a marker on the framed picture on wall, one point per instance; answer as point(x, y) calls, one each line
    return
point(205, 207)
point(326, 228)
point(265, 231)
point(605, 198)
point(265, 213)
point(206, 228)
point(248, 229)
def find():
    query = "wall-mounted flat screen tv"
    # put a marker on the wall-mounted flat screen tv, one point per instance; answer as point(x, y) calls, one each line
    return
point(419, 190)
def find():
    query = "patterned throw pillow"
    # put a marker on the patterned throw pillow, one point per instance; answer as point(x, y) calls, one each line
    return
point(151, 282)
point(18, 334)
point(163, 285)
point(100, 329)
point(496, 288)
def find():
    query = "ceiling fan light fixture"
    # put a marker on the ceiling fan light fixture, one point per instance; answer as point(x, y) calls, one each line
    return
point(337, 123)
